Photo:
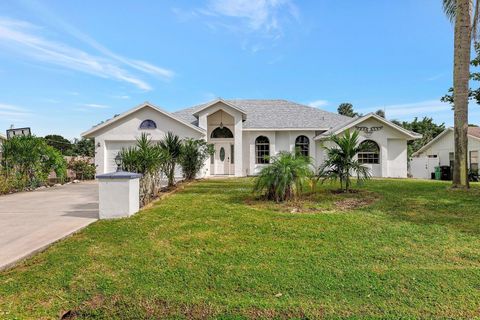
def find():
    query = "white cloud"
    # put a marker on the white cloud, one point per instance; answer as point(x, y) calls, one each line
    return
point(415, 109)
point(25, 39)
point(95, 106)
point(318, 103)
point(9, 110)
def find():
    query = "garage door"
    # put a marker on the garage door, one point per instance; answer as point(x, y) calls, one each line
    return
point(113, 148)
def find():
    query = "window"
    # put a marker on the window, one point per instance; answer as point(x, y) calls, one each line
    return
point(262, 150)
point(370, 152)
point(474, 160)
point(232, 153)
point(148, 124)
point(432, 156)
point(221, 133)
point(302, 145)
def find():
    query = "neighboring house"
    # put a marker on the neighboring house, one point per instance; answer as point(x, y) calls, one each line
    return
point(2, 139)
point(440, 152)
point(245, 131)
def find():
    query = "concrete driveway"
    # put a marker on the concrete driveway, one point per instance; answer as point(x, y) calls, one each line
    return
point(30, 221)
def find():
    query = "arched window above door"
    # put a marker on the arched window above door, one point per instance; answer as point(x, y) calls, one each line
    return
point(148, 124)
point(221, 133)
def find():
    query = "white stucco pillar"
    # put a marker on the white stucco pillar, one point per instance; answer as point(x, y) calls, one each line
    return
point(238, 145)
point(119, 194)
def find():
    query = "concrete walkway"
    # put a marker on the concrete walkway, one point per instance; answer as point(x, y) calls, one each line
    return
point(30, 221)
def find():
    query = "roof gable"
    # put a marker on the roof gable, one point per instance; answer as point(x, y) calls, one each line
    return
point(91, 133)
point(410, 134)
point(473, 132)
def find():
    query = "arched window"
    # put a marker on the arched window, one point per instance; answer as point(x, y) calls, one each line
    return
point(220, 133)
point(302, 145)
point(370, 152)
point(148, 124)
point(262, 150)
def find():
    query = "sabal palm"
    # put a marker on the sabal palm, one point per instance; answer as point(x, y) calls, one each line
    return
point(341, 160)
point(459, 12)
point(171, 145)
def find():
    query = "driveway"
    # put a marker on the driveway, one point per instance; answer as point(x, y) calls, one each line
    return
point(30, 221)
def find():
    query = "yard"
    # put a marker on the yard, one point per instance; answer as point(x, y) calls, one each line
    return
point(397, 248)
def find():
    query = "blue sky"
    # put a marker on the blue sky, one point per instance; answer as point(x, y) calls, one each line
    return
point(67, 65)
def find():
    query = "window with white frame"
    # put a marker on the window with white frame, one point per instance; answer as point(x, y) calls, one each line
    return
point(262, 150)
point(370, 152)
point(302, 145)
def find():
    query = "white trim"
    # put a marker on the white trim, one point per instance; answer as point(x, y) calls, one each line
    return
point(222, 101)
point(286, 129)
point(88, 134)
point(365, 117)
point(434, 140)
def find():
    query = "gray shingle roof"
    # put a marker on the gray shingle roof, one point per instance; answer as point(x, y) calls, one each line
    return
point(269, 114)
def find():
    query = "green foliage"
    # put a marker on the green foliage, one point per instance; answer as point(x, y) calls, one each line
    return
point(426, 127)
point(84, 147)
point(83, 169)
point(346, 109)
point(64, 146)
point(171, 147)
point(380, 112)
point(29, 160)
point(145, 157)
point(341, 161)
point(285, 177)
point(193, 155)
point(473, 94)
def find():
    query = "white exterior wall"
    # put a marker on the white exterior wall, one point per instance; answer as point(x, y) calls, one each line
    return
point(118, 197)
point(443, 146)
point(123, 133)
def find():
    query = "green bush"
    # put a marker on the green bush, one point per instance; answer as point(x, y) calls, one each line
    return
point(28, 161)
point(145, 157)
point(83, 169)
point(193, 155)
point(285, 177)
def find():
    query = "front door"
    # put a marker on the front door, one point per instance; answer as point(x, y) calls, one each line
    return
point(222, 158)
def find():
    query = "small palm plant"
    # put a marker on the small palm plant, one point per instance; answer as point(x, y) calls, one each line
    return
point(341, 161)
point(171, 146)
point(145, 157)
point(285, 177)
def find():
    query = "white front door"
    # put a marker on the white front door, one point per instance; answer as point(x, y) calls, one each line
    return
point(222, 158)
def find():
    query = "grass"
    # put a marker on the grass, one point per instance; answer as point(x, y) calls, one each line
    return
point(212, 251)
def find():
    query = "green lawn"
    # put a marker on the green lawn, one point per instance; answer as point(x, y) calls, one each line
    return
point(212, 251)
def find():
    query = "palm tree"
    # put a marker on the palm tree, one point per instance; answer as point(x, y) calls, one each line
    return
point(341, 161)
point(285, 177)
point(171, 145)
point(459, 12)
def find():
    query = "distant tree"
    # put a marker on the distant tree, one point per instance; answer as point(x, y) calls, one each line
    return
point(346, 109)
point(60, 143)
point(380, 113)
point(426, 127)
point(84, 147)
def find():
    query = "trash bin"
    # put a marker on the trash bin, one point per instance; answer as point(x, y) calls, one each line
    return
point(438, 173)
point(445, 173)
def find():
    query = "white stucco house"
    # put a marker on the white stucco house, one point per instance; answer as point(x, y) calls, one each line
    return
point(2, 139)
point(440, 152)
point(245, 131)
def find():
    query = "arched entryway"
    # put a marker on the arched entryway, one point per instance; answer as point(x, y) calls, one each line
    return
point(221, 128)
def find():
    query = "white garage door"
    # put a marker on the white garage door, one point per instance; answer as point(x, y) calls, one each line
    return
point(113, 148)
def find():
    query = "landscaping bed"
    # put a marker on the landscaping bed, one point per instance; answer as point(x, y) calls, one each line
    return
point(212, 250)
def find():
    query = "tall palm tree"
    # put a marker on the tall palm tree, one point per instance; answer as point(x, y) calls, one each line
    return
point(459, 12)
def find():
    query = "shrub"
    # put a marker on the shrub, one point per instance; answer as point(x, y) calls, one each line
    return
point(29, 160)
point(145, 157)
point(193, 155)
point(83, 169)
point(285, 177)
point(341, 161)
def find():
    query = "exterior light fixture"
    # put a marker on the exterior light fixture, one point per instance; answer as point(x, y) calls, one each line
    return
point(118, 162)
